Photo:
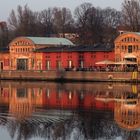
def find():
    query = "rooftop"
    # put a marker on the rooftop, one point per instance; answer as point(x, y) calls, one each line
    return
point(50, 41)
point(93, 48)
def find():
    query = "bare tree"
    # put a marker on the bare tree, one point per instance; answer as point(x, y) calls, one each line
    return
point(81, 21)
point(89, 23)
point(13, 20)
point(95, 25)
point(45, 22)
point(111, 20)
point(131, 14)
point(62, 19)
point(3, 34)
point(23, 22)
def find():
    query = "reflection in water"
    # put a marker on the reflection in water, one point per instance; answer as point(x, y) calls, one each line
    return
point(70, 111)
point(127, 111)
point(21, 103)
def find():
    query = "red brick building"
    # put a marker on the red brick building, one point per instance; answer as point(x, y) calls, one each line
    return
point(42, 53)
point(79, 57)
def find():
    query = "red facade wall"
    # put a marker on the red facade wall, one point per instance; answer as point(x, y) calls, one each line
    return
point(89, 58)
point(64, 57)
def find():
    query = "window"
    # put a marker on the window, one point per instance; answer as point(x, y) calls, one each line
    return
point(47, 65)
point(32, 62)
point(69, 56)
point(134, 48)
point(81, 64)
point(81, 56)
point(48, 93)
point(130, 49)
point(47, 56)
point(70, 95)
point(125, 48)
point(134, 39)
point(128, 39)
point(70, 64)
point(58, 64)
point(6, 62)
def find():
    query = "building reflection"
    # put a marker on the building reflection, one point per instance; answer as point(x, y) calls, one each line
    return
point(21, 103)
point(24, 100)
point(127, 110)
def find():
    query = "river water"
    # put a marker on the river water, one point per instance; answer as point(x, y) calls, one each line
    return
point(69, 111)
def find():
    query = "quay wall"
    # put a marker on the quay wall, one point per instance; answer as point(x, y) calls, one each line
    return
point(71, 76)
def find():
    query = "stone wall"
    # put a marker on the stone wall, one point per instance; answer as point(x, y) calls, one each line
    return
point(71, 76)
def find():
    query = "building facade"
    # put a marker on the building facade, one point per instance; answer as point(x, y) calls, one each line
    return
point(127, 46)
point(41, 53)
point(75, 57)
point(21, 53)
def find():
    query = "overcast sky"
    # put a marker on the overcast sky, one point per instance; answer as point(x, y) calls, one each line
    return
point(37, 5)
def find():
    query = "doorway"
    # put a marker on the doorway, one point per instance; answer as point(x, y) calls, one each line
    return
point(22, 64)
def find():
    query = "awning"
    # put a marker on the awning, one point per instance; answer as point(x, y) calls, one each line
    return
point(125, 62)
point(130, 56)
point(105, 62)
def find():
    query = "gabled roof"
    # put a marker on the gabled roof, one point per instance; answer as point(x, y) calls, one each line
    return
point(50, 41)
point(93, 48)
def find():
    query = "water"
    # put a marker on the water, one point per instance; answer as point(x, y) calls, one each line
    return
point(70, 111)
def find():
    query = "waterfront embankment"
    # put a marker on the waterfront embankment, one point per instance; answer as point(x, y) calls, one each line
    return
point(83, 76)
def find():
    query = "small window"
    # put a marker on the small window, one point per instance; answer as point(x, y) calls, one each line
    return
point(134, 48)
point(130, 49)
point(125, 48)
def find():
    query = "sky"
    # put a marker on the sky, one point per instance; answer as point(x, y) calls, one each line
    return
point(37, 5)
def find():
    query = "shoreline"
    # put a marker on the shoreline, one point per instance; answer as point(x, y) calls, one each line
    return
point(71, 76)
